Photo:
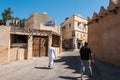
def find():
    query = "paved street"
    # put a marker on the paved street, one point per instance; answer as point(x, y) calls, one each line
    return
point(66, 67)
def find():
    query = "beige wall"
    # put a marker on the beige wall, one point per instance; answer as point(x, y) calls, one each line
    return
point(66, 28)
point(81, 36)
point(4, 44)
point(103, 37)
point(82, 29)
point(29, 23)
point(17, 54)
point(82, 21)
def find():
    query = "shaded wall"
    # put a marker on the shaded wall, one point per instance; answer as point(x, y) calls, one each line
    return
point(111, 41)
point(103, 38)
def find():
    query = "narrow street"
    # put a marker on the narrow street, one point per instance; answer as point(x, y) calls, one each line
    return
point(66, 67)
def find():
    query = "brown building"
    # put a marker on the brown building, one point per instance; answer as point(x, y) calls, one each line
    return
point(36, 19)
point(42, 22)
point(30, 41)
point(74, 32)
point(103, 33)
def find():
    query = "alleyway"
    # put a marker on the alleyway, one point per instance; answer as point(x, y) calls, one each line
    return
point(66, 68)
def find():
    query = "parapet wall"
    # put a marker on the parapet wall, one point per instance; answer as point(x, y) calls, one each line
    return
point(103, 33)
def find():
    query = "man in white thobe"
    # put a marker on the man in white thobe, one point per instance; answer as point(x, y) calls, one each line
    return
point(51, 56)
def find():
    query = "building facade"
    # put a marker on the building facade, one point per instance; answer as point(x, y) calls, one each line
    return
point(74, 32)
point(33, 40)
point(41, 21)
point(103, 30)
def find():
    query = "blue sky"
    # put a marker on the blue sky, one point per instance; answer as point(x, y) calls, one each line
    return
point(57, 9)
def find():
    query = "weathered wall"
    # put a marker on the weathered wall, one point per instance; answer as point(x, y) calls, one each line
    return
point(111, 40)
point(66, 28)
point(4, 44)
point(103, 36)
point(17, 54)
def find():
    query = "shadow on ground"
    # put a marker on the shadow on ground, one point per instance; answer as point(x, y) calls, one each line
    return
point(41, 67)
point(107, 71)
point(73, 62)
point(101, 70)
point(69, 78)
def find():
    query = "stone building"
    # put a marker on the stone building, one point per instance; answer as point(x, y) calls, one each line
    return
point(104, 30)
point(74, 32)
point(30, 41)
point(36, 19)
point(41, 21)
point(14, 45)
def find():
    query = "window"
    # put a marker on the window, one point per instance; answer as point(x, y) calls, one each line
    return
point(69, 25)
point(56, 40)
point(63, 28)
point(78, 23)
point(85, 28)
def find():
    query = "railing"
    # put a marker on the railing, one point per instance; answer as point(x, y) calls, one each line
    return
point(18, 29)
point(30, 31)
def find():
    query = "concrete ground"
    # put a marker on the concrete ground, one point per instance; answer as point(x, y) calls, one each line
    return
point(66, 67)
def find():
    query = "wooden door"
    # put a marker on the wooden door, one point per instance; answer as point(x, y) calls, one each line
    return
point(36, 46)
point(43, 46)
point(40, 46)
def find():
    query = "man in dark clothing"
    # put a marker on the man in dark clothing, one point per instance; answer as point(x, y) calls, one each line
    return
point(86, 60)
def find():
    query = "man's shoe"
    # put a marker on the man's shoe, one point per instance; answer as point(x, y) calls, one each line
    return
point(49, 67)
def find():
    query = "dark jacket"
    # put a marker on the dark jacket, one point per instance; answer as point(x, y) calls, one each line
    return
point(85, 53)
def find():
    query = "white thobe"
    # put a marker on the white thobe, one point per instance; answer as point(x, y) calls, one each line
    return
point(51, 55)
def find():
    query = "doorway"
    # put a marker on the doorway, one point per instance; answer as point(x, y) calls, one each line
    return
point(40, 46)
